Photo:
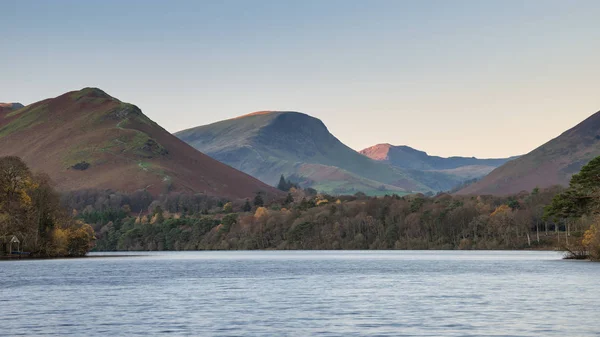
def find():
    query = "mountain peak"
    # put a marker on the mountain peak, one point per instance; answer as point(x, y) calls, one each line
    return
point(274, 120)
point(382, 151)
point(377, 152)
point(13, 106)
point(8, 107)
point(267, 112)
point(89, 93)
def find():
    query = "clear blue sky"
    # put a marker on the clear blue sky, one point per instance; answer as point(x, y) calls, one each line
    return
point(473, 78)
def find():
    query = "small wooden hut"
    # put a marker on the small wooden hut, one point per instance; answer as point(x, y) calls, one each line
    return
point(14, 240)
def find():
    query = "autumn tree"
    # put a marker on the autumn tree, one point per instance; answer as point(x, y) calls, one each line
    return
point(30, 209)
point(15, 179)
point(45, 211)
point(591, 241)
point(502, 220)
point(15, 202)
point(158, 215)
point(261, 212)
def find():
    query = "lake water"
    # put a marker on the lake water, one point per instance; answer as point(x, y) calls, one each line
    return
point(292, 293)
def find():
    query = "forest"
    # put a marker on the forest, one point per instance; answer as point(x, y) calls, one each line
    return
point(328, 222)
point(32, 220)
point(306, 219)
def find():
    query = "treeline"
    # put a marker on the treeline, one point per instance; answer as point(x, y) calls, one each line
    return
point(32, 219)
point(139, 201)
point(579, 206)
point(306, 221)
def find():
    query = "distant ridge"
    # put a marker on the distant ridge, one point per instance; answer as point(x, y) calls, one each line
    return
point(409, 158)
point(8, 107)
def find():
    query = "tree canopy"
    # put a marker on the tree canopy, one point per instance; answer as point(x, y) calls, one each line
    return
point(581, 200)
point(30, 210)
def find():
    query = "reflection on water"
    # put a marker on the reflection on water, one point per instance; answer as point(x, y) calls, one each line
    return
point(356, 293)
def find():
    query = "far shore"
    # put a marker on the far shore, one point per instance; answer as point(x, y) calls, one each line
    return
point(99, 254)
point(22, 258)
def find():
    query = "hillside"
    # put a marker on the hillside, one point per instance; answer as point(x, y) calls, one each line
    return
point(550, 164)
point(267, 144)
point(88, 139)
point(406, 157)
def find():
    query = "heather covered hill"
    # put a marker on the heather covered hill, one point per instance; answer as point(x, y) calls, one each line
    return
point(550, 164)
point(267, 144)
point(88, 139)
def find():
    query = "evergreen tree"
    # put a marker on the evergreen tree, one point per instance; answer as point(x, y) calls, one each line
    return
point(258, 200)
point(247, 207)
point(579, 198)
point(283, 184)
point(513, 204)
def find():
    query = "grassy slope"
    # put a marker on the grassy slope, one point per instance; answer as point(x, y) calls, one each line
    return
point(266, 145)
point(468, 172)
point(550, 164)
point(125, 149)
point(338, 181)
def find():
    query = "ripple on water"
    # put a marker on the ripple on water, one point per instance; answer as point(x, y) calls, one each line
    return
point(302, 293)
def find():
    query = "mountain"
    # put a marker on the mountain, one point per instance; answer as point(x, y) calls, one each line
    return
point(550, 164)
point(88, 139)
point(8, 107)
point(406, 157)
point(266, 144)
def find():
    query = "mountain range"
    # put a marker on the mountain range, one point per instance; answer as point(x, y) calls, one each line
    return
point(553, 163)
point(88, 139)
point(266, 144)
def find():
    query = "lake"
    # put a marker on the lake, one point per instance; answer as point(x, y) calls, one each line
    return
point(302, 293)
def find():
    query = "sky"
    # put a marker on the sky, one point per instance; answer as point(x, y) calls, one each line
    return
point(470, 78)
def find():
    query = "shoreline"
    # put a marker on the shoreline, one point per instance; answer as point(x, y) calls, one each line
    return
point(29, 258)
point(102, 254)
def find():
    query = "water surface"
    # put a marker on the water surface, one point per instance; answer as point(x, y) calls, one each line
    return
point(292, 293)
